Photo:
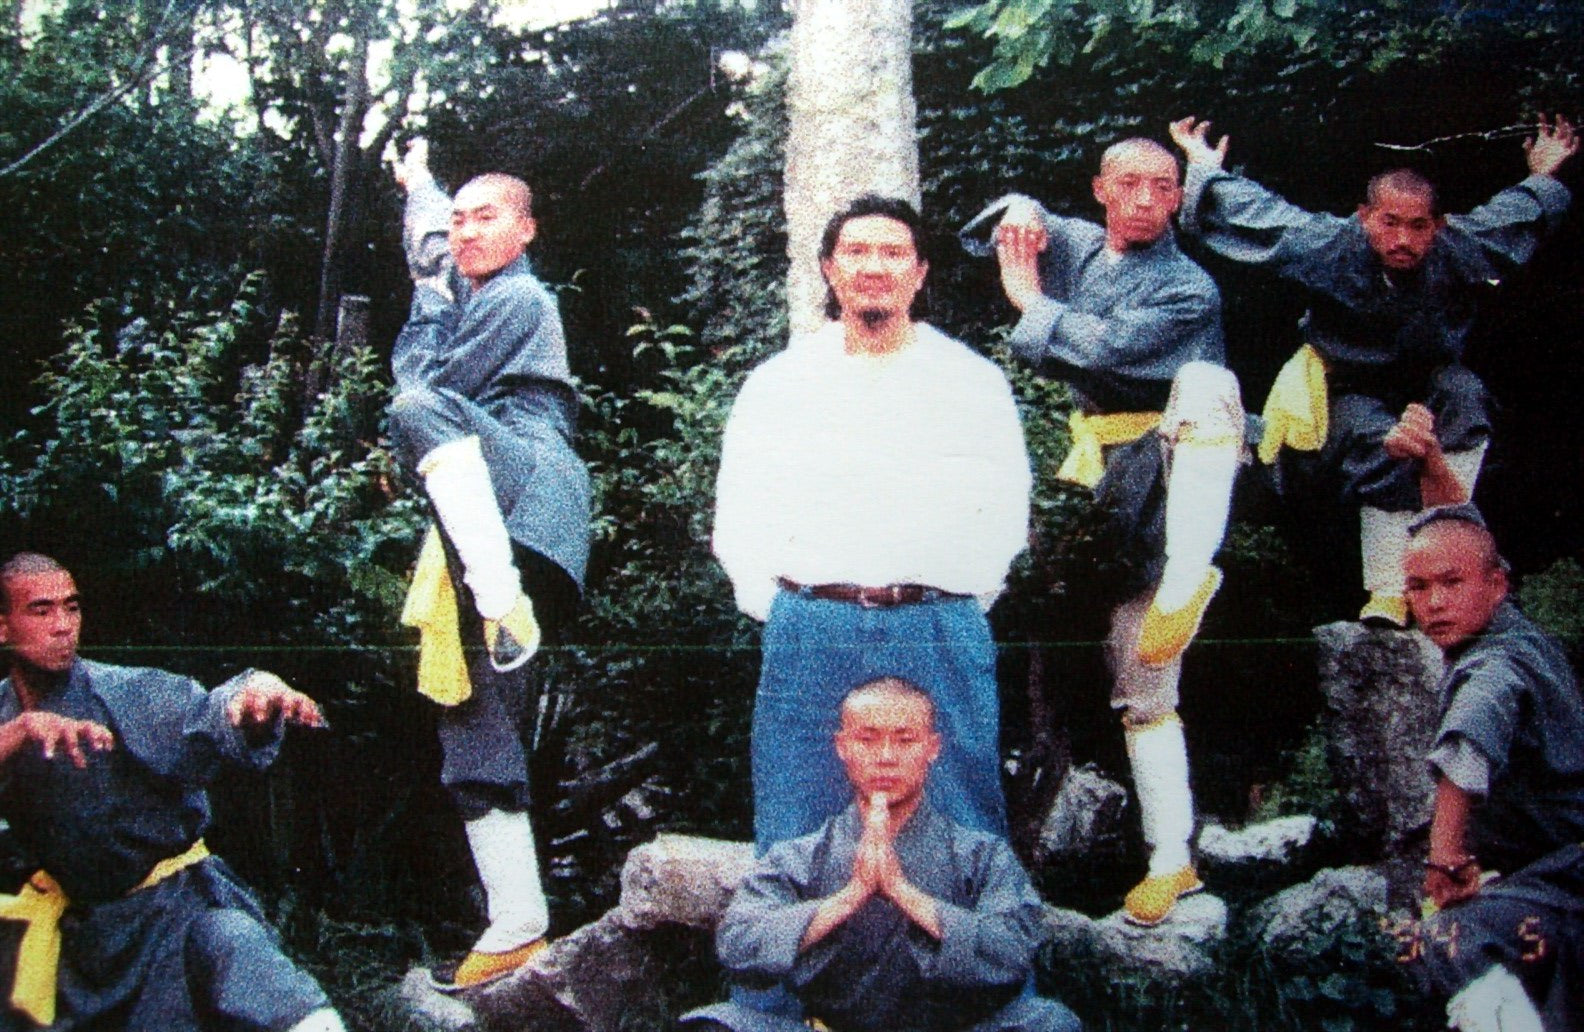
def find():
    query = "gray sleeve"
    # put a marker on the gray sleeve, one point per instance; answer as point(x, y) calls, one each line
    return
point(1243, 222)
point(1506, 230)
point(993, 941)
point(425, 226)
point(1146, 339)
point(759, 935)
point(1486, 699)
point(179, 730)
point(1460, 761)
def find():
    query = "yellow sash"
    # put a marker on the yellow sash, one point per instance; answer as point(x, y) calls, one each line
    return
point(431, 607)
point(1085, 463)
point(40, 905)
point(1296, 409)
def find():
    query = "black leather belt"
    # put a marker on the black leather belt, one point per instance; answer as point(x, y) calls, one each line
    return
point(886, 597)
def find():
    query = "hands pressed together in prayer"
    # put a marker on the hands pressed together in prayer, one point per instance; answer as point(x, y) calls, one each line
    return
point(876, 872)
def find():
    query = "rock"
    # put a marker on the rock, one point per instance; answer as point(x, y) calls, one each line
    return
point(604, 976)
point(1380, 691)
point(1086, 815)
point(681, 879)
point(433, 1008)
point(1273, 841)
point(1181, 947)
point(1298, 923)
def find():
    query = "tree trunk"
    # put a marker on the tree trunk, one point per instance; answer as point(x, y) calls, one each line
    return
point(343, 176)
point(851, 126)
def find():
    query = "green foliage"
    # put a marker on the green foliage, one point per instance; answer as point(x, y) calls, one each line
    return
point(1554, 598)
point(1029, 34)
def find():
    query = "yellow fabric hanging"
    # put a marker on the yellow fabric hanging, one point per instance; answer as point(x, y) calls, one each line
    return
point(40, 905)
point(431, 607)
point(1297, 409)
point(1085, 463)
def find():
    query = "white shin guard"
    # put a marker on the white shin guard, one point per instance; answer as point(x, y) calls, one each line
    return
point(322, 1020)
point(1204, 420)
point(1494, 1002)
point(458, 483)
point(503, 851)
point(1465, 465)
point(1159, 755)
point(1383, 538)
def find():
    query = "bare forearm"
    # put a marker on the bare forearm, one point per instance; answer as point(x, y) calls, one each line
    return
point(831, 913)
point(1449, 828)
point(920, 907)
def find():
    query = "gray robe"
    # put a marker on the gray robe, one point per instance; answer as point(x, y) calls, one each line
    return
point(192, 950)
point(496, 357)
point(878, 970)
point(1511, 693)
point(1117, 328)
point(1387, 340)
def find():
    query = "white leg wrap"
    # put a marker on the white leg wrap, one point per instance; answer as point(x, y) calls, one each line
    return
point(1383, 538)
point(1494, 1002)
point(1204, 422)
point(503, 852)
point(458, 483)
point(1159, 756)
point(322, 1020)
point(1466, 465)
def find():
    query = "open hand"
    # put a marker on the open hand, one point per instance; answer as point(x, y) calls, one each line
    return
point(1193, 137)
point(1551, 146)
point(264, 697)
point(56, 734)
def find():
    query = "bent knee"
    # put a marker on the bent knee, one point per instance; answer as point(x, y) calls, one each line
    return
point(1206, 405)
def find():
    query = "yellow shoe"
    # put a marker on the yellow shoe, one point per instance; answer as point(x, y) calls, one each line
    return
point(1163, 636)
point(1386, 611)
point(1153, 898)
point(479, 969)
point(514, 638)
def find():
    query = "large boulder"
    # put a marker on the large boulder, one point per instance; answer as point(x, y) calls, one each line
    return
point(1381, 710)
point(1184, 946)
point(1276, 841)
point(1300, 922)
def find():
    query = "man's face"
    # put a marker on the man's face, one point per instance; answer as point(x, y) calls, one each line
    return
point(488, 230)
point(874, 268)
point(1400, 228)
point(43, 622)
point(1453, 589)
point(887, 745)
point(1140, 194)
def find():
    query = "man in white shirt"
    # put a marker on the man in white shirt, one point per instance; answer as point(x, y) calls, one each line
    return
point(873, 491)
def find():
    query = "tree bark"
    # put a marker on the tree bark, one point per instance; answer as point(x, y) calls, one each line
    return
point(851, 126)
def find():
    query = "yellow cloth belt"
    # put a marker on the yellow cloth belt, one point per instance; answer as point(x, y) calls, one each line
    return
point(40, 905)
point(1085, 463)
point(431, 607)
point(1296, 409)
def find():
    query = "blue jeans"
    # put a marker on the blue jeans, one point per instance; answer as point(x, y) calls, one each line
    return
point(816, 651)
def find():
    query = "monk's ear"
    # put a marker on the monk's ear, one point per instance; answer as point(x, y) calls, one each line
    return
point(530, 230)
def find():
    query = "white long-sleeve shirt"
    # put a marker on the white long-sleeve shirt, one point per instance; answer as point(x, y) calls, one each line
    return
point(903, 469)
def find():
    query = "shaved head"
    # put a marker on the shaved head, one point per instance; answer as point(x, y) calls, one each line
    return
point(1134, 147)
point(889, 687)
point(24, 564)
point(513, 191)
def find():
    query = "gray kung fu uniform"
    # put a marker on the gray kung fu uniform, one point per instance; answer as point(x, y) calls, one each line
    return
point(193, 951)
point(1117, 328)
point(878, 970)
point(492, 363)
point(1387, 340)
point(1511, 695)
